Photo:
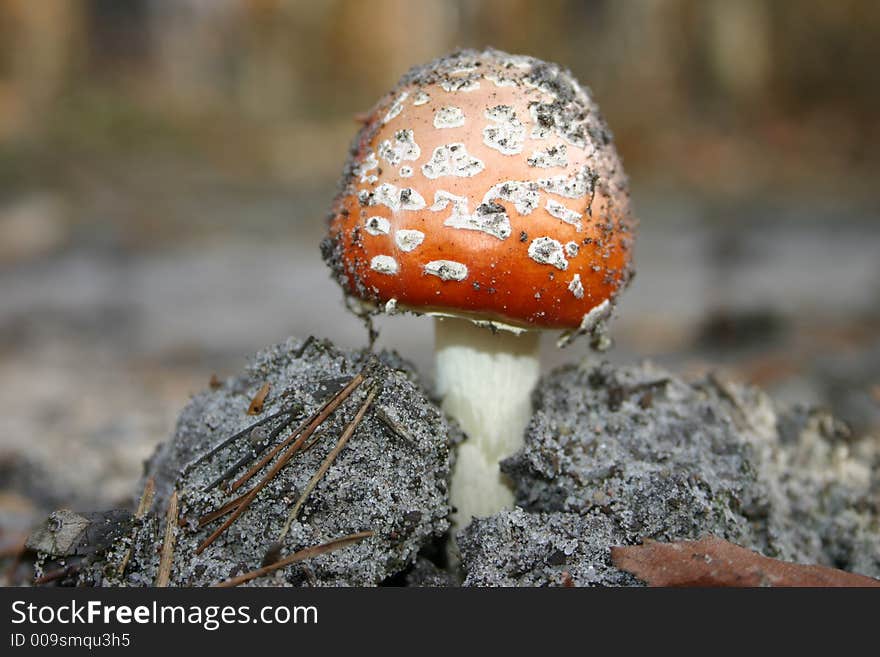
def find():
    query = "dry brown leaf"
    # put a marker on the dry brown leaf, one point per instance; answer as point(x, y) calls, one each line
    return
point(712, 561)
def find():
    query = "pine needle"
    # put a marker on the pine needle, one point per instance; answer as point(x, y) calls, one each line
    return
point(307, 553)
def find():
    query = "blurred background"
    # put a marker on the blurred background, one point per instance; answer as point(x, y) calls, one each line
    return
point(166, 166)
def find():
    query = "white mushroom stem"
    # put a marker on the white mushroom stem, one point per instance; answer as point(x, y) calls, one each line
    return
point(485, 380)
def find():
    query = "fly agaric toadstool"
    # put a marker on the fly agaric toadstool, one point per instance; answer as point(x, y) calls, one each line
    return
point(484, 190)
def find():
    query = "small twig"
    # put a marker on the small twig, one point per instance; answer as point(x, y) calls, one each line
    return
point(226, 441)
point(146, 500)
point(333, 402)
point(228, 472)
point(254, 453)
point(144, 504)
point(259, 399)
point(259, 465)
point(167, 558)
point(328, 461)
point(394, 426)
point(302, 348)
point(53, 575)
point(307, 553)
point(229, 507)
point(288, 454)
point(314, 441)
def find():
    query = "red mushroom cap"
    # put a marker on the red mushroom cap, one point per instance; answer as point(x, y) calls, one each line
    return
point(486, 186)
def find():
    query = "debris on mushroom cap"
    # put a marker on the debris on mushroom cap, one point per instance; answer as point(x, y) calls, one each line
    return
point(486, 186)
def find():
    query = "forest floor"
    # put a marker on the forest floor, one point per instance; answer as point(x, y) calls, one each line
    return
point(109, 323)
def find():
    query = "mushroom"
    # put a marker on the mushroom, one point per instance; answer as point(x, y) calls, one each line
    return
point(484, 190)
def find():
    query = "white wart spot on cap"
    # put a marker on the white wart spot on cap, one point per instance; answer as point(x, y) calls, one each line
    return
point(388, 195)
point(421, 98)
point(377, 226)
point(576, 287)
point(571, 249)
point(507, 134)
point(442, 199)
point(547, 251)
point(364, 168)
point(561, 119)
point(542, 121)
point(553, 156)
point(518, 61)
point(502, 79)
point(448, 270)
point(524, 195)
point(403, 147)
point(564, 213)
point(410, 199)
point(407, 240)
point(448, 117)
point(396, 199)
point(452, 160)
point(384, 264)
point(576, 186)
point(465, 83)
point(489, 218)
point(396, 107)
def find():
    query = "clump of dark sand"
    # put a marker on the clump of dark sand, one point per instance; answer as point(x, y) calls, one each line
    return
point(517, 548)
point(390, 478)
point(619, 455)
point(613, 456)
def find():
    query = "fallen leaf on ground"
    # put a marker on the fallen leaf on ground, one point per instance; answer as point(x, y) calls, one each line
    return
point(712, 561)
